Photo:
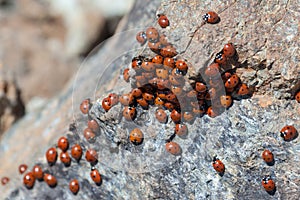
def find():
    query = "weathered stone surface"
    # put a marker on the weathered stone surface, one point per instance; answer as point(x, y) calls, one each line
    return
point(238, 136)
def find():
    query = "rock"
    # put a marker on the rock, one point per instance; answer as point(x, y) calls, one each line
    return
point(238, 136)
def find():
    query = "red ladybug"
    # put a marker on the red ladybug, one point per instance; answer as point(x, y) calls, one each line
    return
point(218, 165)
point(268, 184)
point(297, 97)
point(220, 58)
point(163, 21)
point(4, 180)
point(212, 70)
point(91, 156)
point(126, 75)
point(85, 106)
point(141, 37)
point(148, 66)
point(63, 143)
point(93, 125)
point(114, 98)
point(89, 135)
point(136, 63)
point(211, 17)
point(106, 104)
point(51, 156)
point(268, 156)
point(169, 106)
point(155, 46)
point(126, 99)
point(129, 113)
point(136, 92)
point(74, 186)
point(169, 63)
point(173, 148)
point(38, 172)
point(168, 51)
point(229, 50)
point(152, 34)
point(232, 81)
point(158, 102)
point(163, 40)
point(76, 152)
point(96, 176)
point(148, 96)
point(22, 168)
point(50, 180)
point(176, 116)
point(200, 87)
point(243, 90)
point(226, 101)
point(181, 130)
point(136, 136)
point(161, 116)
point(143, 103)
point(65, 158)
point(29, 180)
point(181, 65)
point(288, 133)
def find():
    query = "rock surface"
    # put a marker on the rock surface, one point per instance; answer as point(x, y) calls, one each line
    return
point(267, 39)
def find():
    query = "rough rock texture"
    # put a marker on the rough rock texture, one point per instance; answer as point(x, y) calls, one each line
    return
point(267, 38)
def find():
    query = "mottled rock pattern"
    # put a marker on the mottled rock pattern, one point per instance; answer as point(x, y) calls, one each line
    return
point(238, 136)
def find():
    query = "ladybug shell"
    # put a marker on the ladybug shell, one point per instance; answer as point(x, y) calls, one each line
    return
point(93, 125)
point(297, 97)
point(38, 172)
point(65, 158)
point(85, 106)
point(63, 143)
point(161, 116)
point(163, 21)
point(267, 155)
point(74, 186)
point(22, 168)
point(181, 129)
point(268, 184)
point(173, 148)
point(91, 156)
point(141, 37)
point(152, 34)
point(50, 180)
point(288, 133)
point(229, 50)
point(218, 165)
point(51, 155)
point(29, 180)
point(76, 152)
point(126, 75)
point(96, 176)
point(211, 17)
point(136, 136)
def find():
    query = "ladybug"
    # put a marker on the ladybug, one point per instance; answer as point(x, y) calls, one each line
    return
point(29, 180)
point(114, 98)
point(268, 156)
point(136, 92)
point(163, 40)
point(50, 180)
point(226, 76)
point(136, 63)
point(169, 63)
point(96, 176)
point(243, 90)
point(74, 186)
point(85, 106)
point(141, 37)
point(169, 106)
point(106, 104)
point(4, 180)
point(168, 51)
point(212, 70)
point(181, 65)
point(161, 116)
point(226, 101)
point(163, 21)
point(229, 50)
point(218, 165)
point(152, 34)
point(136, 136)
point(288, 133)
point(65, 158)
point(38, 172)
point(200, 87)
point(148, 66)
point(297, 97)
point(176, 116)
point(148, 97)
point(143, 103)
point(176, 90)
point(232, 81)
point(176, 80)
point(126, 99)
point(158, 102)
point(89, 135)
point(181, 129)
point(76, 152)
point(158, 59)
point(173, 148)
point(162, 73)
point(211, 17)
point(211, 112)
point(171, 97)
point(63, 143)
point(154, 46)
point(22, 168)
point(51, 156)
point(268, 184)
point(93, 125)
point(220, 58)
point(126, 75)
point(188, 116)
point(91, 156)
